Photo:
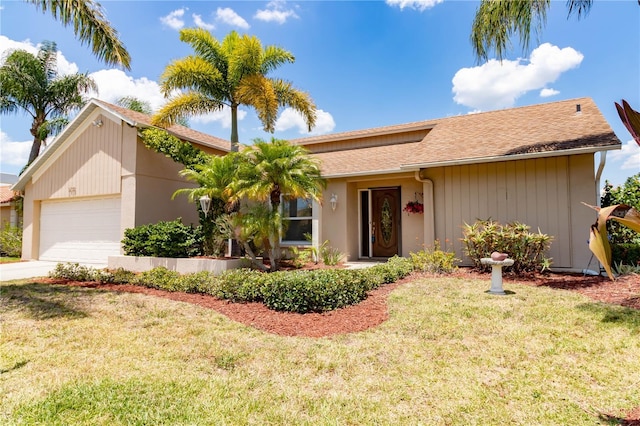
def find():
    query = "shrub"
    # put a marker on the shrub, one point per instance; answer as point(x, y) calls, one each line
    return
point(160, 278)
point(330, 256)
point(525, 248)
point(627, 254)
point(73, 272)
point(240, 285)
point(163, 239)
point(434, 260)
point(11, 241)
point(313, 291)
point(629, 194)
point(198, 282)
point(394, 269)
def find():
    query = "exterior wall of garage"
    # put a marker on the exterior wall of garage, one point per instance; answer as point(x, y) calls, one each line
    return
point(111, 161)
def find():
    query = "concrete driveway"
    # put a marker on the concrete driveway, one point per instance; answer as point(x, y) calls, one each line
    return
point(30, 269)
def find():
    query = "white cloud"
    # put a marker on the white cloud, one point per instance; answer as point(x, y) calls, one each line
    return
point(174, 19)
point(495, 85)
point(628, 158)
point(197, 19)
point(291, 118)
point(229, 17)
point(275, 12)
point(7, 46)
point(13, 153)
point(545, 93)
point(420, 5)
point(223, 117)
point(114, 84)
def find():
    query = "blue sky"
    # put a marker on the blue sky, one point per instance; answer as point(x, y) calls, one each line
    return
point(365, 63)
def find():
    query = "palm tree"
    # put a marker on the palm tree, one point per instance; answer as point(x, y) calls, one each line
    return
point(31, 84)
point(496, 21)
point(230, 73)
point(273, 171)
point(90, 26)
point(135, 104)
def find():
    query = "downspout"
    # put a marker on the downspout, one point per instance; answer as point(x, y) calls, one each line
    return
point(603, 160)
point(428, 223)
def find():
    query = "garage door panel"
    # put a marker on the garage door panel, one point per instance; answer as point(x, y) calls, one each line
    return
point(80, 230)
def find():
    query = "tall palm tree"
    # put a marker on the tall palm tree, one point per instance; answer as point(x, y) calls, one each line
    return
point(496, 21)
point(232, 73)
point(31, 84)
point(273, 171)
point(91, 27)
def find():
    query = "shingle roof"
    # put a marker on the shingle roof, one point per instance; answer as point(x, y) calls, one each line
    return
point(181, 132)
point(538, 130)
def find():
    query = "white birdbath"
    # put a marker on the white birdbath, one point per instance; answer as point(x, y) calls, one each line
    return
point(496, 273)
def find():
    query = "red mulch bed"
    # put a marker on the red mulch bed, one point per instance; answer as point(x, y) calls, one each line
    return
point(625, 291)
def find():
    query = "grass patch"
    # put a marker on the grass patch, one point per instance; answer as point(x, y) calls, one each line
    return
point(9, 259)
point(449, 354)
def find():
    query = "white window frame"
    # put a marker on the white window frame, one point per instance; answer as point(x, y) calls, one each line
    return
point(314, 225)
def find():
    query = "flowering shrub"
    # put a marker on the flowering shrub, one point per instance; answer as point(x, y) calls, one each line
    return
point(414, 207)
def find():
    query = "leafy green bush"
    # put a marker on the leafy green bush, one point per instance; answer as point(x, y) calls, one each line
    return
point(163, 239)
point(77, 272)
point(160, 278)
point(434, 260)
point(626, 253)
point(629, 194)
point(525, 248)
point(198, 282)
point(330, 256)
point(394, 269)
point(313, 291)
point(73, 271)
point(240, 285)
point(11, 241)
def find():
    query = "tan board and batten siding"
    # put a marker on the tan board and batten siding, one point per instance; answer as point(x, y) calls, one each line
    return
point(88, 167)
point(540, 193)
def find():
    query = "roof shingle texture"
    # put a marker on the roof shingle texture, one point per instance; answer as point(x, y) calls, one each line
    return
point(550, 127)
point(177, 130)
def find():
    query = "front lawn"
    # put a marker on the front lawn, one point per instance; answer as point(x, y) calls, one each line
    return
point(449, 354)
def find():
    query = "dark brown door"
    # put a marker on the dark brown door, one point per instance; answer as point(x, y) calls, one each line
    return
point(385, 225)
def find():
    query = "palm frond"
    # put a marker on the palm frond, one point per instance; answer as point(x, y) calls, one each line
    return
point(91, 27)
point(183, 105)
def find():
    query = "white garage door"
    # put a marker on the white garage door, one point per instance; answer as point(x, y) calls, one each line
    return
point(80, 230)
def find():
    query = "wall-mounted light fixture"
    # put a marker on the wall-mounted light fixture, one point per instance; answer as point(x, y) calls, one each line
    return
point(333, 201)
point(205, 204)
point(97, 122)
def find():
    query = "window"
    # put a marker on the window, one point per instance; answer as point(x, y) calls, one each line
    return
point(299, 214)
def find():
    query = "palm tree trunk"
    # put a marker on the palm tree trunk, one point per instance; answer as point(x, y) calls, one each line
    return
point(234, 128)
point(35, 150)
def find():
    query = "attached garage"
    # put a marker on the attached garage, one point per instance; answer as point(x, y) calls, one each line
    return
point(80, 230)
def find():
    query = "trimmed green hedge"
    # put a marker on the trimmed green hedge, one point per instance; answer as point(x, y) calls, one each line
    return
point(163, 239)
point(291, 291)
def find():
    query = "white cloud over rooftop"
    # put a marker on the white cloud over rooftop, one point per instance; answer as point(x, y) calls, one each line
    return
point(495, 84)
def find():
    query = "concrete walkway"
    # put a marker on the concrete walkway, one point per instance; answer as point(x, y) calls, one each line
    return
point(30, 269)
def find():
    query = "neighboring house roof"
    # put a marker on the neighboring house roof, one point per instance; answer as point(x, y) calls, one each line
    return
point(543, 130)
point(8, 178)
point(6, 194)
point(130, 117)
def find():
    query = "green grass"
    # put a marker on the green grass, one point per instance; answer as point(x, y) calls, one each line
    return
point(449, 354)
point(9, 259)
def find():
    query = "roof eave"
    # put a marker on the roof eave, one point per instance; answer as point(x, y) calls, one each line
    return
point(499, 158)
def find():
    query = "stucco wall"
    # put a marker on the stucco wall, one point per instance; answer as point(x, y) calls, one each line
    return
point(157, 179)
point(342, 226)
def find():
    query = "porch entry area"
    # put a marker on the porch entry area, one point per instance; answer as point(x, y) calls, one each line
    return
point(379, 222)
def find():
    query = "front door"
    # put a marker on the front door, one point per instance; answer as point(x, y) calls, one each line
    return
point(385, 222)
